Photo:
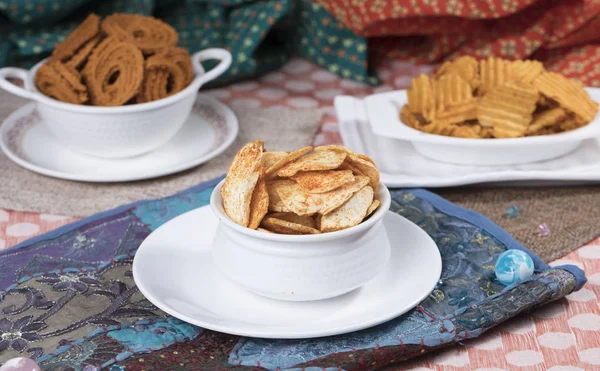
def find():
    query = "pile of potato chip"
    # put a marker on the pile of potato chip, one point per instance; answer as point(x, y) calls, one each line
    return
point(496, 98)
point(307, 191)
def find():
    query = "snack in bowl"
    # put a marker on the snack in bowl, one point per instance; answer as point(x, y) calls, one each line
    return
point(496, 98)
point(124, 59)
point(307, 191)
point(301, 225)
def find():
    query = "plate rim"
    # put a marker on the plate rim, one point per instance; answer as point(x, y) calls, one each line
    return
point(231, 121)
point(589, 131)
point(270, 333)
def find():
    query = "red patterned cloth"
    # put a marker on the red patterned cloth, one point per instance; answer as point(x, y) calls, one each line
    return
point(564, 35)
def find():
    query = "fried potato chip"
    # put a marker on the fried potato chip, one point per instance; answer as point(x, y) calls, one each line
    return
point(569, 94)
point(440, 127)
point(365, 167)
point(263, 230)
point(259, 203)
point(304, 220)
point(297, 201)
point(275, 203)
point(317, 218)
point(348, 151)
point(286, 227)
point(323, 181)
point(526, 71)
point(494, 72)
point(347, 166)
point(411, 119)
point(240, 181)
point(336, 198)
point(374, 205)
point(270, 158)
point(321, 160)
point(450, 90)
point(466, 67)
point(545, 131)
point(458, 112)
point(350, 213)
point(421, 98)
point(508, 109)
point(571, 122)
point(290, 157)
point(546, 118)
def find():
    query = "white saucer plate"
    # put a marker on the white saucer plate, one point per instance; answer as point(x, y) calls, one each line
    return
point(209, 130)
point(402, 165)
point(174, 269)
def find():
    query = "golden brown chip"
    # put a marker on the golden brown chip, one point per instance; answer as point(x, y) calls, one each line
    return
point(347, 166)
point(572, 122)
point(570, 95)
point(466, 67)
point(270, 158)
point(494, 72)
point(263, 230)
point(240, 182)
point(286, 227)
point(323, 181)
point(290, 157)
point(421, 98)
point(275, 203)
point(336, 198)
point(545, 131)
point(317, 218)
point(374, 205)
point(297, 201)
point(450, 90)
point(410, 119)
point(350, 213)
point(304, 220)
point(508, 109)
point(458, 112)
point(259, 203)
point(321, 160)
point(365, 167)
point(348, 151)
point(526, 71)
point(546, 118)
point(440, 127)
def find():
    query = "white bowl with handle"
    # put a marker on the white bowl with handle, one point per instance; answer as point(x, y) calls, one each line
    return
point(301, 267)
point(116, 132)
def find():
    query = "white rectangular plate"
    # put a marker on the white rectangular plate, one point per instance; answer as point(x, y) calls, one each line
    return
point(402, 166)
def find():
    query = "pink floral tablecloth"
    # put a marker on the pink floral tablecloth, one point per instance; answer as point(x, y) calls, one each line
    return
point(562, 336)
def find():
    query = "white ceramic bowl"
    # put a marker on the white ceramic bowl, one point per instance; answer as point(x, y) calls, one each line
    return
point(383, 114)
point(301, 267)
point(116, 132)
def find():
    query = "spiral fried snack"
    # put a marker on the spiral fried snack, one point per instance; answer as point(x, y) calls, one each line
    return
point(149, 34)
point(78, 39)
point(114, 73)
point(58, 81)
point(167, 73)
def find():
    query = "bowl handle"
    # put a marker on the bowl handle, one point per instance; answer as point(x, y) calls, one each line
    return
point(16, 73)
point(222, 55)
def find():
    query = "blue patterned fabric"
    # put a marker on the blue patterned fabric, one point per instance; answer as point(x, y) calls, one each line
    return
point(73, 287)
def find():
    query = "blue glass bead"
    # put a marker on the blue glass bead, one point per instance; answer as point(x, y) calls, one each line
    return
point(512, 211)
point(117, 368)
point(513, 266)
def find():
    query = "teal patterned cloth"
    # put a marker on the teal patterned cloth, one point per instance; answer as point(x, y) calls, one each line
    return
point(261, 35)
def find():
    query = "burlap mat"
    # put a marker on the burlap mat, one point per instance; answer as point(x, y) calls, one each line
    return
point(20, 189)
point(571, 213)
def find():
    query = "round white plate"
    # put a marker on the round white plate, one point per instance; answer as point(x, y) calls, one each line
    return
point(209, 130)
point(173, 268)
